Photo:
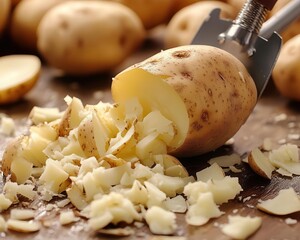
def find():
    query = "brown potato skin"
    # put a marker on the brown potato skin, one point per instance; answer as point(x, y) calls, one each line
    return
point(217, 98)
point(286, 73)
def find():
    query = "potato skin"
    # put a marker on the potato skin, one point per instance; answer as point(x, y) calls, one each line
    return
point(86, 37)
point(217, 90)
point(286, 73)
point(151, 12)
point(5, 7)
point(185, 23)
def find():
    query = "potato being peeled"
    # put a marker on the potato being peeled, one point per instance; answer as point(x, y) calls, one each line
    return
point(206, 92)
point(86, 37)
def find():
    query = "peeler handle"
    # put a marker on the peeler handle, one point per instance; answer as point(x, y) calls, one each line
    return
point(282, 19)
point(268, 4)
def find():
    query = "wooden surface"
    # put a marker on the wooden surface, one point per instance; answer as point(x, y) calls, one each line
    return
point(53, 87)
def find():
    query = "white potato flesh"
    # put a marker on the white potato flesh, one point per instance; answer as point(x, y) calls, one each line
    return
point(239, 227)
point(23, 226)
point(22, 214)
point(286, 202)
point(5, 202)
point(19, 73)
point(203, 210)
point(53, 168)
point(164, 224)
point(149, 88)
point(214, 172)
point(226, 160)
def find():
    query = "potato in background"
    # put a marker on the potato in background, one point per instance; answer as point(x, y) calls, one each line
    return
point(86, 37)
point(286, 73)
point(4, 14)
point(184, 24)
point(25, 20)
point(151, 12)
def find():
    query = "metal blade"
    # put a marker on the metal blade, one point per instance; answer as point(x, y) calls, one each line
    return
point(259, 62)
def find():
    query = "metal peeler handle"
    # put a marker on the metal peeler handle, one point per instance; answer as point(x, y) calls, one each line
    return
point(282, 19)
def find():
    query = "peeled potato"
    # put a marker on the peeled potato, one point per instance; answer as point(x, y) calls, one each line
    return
point(206, 92)
point(4, 13)
point(184, 24)
point(18, 74)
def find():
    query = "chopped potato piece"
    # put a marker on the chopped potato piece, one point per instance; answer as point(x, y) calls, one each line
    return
point(22, 214)
point(23, 226)
point(240, 227)
point(5, 202)
point(226, 161)
point(54, 176)
point(202, 210)
point(2, 224)
point(214, 172)
point(287, 201)
point(7, 126)
point(260, 163)
point(67, 217)
point(113, 208)
point(44, 115)
point(164, 224)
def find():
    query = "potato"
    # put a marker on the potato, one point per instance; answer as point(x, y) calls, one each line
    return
point(4, 13)
point(151, 12)
point(25, 20)
point(184, 24)
point(293, 29)
point(85, 37)
point(199, 88)
point(286, 73)
point(236, 4)
point(19, 74)
point(179, 4)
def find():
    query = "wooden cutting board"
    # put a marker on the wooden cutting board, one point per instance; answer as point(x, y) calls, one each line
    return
point(274, 117)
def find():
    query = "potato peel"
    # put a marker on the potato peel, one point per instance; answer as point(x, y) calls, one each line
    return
point(286, 202)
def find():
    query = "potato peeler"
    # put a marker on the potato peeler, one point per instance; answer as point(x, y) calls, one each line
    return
point(255, 43)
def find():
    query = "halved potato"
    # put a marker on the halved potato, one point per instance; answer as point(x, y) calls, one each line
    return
point(199, 88)
point(18, 73)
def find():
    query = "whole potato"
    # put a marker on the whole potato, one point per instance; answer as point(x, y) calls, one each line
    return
point(293, 29)
point(4, 13)
point(25, 20)
point(286, 73)
point(186, 22)
point(206, 92)
point(179, 4)
point(85, 37)
point(151, 12)
point(236, 4)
